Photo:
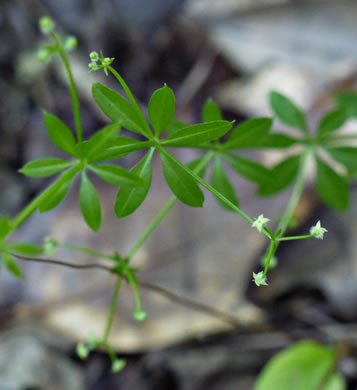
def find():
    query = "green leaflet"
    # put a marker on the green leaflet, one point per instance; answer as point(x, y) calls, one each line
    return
point(25, 248)
point(194, 164)
point(57, 191)
point(283, 175)
point(116, 175)
point(305, 365)
point(331, 187)
point(129, 199)
point(45, 167)
point(176, 125)
point(57, 196)
point(12, 266)
point(249, 133)
point(332, 121)
point(118, 109)
point(221, 183)
point(119, 147)
point(90, 203)
point(5, 226)
point(60, 134)
point(181, 183)
point(345, 155)
point(277, 141)
point(249, 169)
point(161, 109)
point(348, 100)
point(101, 139)
point(287, 111)
point(197, 134)
point(211, 112)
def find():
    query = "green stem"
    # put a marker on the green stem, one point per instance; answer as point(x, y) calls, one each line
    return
point(72, 88)
point(35, 203)
point(210, 188)
point(132, 99)
point(296, 237)
point(296, 194)
point(154, 224)
point(134, 286)
point(284, 221)
point(162, 213)
point(87, 251)
point(272, 249)
point(112, 310)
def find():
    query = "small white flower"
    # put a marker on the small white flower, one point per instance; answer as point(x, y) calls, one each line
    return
point(318, 231)
point(259, 279)
point(260, 222)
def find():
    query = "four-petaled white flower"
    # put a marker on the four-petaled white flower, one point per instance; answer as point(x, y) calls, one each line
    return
point(259, 279)
point(260, 222)
point(318, 231)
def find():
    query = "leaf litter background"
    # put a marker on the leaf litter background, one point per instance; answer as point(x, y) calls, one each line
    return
point(234, 51)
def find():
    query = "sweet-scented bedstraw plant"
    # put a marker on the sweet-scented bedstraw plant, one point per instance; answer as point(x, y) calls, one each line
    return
point(220, 143)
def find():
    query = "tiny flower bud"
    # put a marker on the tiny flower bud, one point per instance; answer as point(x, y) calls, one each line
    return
point(49, 246)
point(260, 222)
point(70, 43)
point(93, 66)
point(46, 25)
point(107, 61)
point(82, 351)
point(94, 56)
point(139, 315)
point(43, 54)
point(259, 279)
point(118, 365)
point(318, 231)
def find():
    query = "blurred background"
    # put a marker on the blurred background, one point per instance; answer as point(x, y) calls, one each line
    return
point(234, 51)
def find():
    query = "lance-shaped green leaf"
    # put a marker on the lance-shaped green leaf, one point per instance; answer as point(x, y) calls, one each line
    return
point(60, 134)
point(249, 169)
point(120, 147)
point(282, 174)
point(197, 134)
point(211, 111)
point(348, 100)
point(129, 199)
point(176, 125)
point(331, 187)
point(118, 109)
point(57, 196)
point(249, 133)
point(57, 191)
point(101, 140)
point(89, 203)
point(332, 121)
point(345, 155)
point(197, 166)
point(45, 167)
point(305, 365)
point(222, 184)
point(161, 109)
point(277, 141)
point(24, 248)
point(116, 175)
point(181, 183)
point(5, 226)
point(287, 111)
point(12, 266)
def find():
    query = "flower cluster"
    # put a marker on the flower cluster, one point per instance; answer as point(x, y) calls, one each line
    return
point(104, 62)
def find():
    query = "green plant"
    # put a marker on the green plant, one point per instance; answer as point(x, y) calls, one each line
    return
point(97, 155)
